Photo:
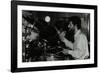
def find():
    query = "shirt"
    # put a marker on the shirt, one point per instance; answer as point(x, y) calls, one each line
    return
point(80, 46)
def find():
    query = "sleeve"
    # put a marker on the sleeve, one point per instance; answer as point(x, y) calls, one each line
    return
point(68, 43)
point(80, 48)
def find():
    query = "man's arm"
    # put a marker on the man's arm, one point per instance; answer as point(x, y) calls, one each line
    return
point(77, 53)
point(68, 43)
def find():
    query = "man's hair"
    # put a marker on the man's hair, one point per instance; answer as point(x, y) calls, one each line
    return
point(76, 21)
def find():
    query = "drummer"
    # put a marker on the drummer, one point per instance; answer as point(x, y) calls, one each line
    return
point(80, 45)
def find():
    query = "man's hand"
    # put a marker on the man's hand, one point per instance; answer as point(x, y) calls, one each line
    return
point(65, 40)
point(62, 36)
point(65, 51)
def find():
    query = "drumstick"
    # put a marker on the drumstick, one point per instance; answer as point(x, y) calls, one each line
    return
point(57, 30)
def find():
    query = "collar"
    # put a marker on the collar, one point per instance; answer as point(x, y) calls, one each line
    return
point(77, 33)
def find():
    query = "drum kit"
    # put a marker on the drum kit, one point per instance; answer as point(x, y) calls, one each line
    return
point(49, 53)
point(53, 53)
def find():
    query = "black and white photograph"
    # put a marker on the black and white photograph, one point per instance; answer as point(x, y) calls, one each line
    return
point(51, 36)
point(54, 36)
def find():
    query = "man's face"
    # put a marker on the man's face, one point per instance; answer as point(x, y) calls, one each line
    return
point(71, 26)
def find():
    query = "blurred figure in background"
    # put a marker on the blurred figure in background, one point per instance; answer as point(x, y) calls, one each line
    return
point(34, 46)
point(79, 49)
